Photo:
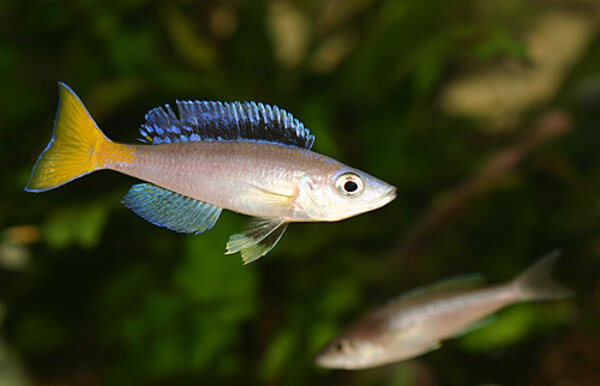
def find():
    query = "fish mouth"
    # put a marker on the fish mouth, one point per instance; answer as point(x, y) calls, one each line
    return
point(328, 362)
point(390, 193)
point(324, 361)
point(388, 196)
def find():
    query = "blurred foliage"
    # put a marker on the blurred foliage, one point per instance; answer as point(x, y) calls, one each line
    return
point(107, 298)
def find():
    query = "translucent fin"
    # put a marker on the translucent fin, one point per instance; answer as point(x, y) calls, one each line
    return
point(475, 326)
point(77, 147)
point(428, 348)
point(537, 284)
point(468, 281)
point(171, 210)
point(219, 121)
point(434, 346)
point(258, 240)
point(258, 194)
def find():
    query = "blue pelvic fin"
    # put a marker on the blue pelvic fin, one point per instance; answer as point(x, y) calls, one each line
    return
point(258, 240)
point(171, 210)
point(224, 121)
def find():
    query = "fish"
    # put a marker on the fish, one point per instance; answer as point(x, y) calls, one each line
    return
point(415, 323)
point(246, 157)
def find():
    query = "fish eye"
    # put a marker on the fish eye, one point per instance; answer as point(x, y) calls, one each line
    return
point(343, 346)
point(349, 184)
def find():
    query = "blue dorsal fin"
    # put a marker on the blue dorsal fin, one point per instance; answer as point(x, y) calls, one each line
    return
point(224, 121)
point(171, 210)
point(467, 281)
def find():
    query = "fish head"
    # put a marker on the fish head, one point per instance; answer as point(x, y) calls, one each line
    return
point(365, 346)
point(350, 352)
point(341, 194)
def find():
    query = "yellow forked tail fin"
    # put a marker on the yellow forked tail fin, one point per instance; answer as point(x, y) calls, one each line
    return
point(77, 147)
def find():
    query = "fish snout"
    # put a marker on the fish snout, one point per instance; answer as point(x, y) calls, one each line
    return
point(388, 195)
point(391, 193)
point(326, 360)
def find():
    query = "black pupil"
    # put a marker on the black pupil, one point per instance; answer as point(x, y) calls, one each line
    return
point(339, 347)
point(350, 186)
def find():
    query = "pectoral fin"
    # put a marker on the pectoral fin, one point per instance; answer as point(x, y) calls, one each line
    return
point(271, 198)
point(258, 240)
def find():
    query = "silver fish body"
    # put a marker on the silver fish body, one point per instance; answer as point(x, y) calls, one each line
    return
point(247, 157)
point(257, 179)
point(416, 324)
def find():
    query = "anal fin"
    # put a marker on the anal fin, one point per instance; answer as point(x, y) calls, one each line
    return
point(432, 347)
point(258, 240)
point(171, 210)
point(474, 326)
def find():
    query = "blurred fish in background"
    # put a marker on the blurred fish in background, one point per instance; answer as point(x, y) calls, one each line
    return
point(416, 323)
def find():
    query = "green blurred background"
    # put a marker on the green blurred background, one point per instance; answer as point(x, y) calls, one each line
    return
point(484, 114)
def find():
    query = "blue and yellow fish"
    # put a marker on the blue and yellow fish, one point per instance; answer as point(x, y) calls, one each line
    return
point(247, 157)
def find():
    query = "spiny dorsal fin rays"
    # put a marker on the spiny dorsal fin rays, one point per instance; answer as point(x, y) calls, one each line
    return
point(222, 121)
point(258, 240)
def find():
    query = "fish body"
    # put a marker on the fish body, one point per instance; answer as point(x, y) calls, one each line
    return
point(249, 158)
point(416, 324)
point(251, 178)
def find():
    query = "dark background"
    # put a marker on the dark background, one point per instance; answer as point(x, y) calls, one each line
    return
point(484, 114)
